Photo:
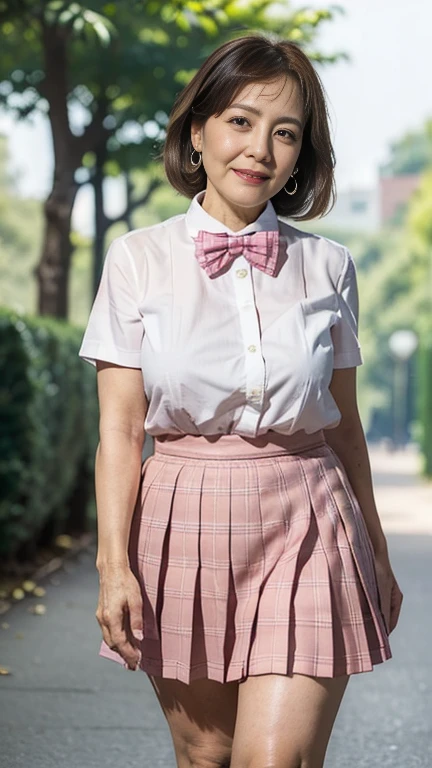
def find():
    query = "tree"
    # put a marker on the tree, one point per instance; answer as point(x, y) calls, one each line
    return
point(180, 64)
point(420, 233)
point(410, 154)
point(18, 244)
point(102, 62)
point(37, 35)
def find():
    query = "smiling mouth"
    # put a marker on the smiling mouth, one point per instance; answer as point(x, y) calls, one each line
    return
point(251, 175)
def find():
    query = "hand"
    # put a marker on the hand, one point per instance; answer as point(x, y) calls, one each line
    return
point(389, 593)
point(119, 612)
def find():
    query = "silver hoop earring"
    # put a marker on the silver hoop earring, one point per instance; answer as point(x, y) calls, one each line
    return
point(196, 165)
point(295, 182)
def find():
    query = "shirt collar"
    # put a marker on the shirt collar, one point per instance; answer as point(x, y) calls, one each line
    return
point(197, 218)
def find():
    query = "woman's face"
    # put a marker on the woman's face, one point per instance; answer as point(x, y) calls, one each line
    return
point(264, 134)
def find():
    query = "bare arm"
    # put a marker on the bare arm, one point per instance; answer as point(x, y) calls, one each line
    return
point(123, 407)
point(349, 443)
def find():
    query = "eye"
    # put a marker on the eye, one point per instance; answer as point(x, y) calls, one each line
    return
point(290, 135)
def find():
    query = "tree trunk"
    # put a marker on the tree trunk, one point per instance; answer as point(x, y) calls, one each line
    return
point(53, 269)
point(129, 201)
point(104, 222)
point(101, 221)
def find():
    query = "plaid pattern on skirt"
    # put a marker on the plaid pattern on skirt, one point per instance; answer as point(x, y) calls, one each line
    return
point(253, 557)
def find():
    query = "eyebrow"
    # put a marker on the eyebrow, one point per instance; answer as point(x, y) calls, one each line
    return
point(286, 119)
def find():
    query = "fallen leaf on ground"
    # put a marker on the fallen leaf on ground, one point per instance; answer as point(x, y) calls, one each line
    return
point(18, 593)
point(28, 585)
point(38, 609)
point(4, 606)
point(64, 541)
point(39, 591)
point(4, 671)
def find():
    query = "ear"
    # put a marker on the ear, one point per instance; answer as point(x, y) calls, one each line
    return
point(196, 136)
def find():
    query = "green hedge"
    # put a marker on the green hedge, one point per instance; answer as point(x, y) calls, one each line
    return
point(48, 434)
point(425, 402)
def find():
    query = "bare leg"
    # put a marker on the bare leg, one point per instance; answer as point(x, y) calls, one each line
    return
point(285, 722)
point(201, 717)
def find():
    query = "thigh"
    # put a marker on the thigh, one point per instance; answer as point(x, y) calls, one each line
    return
point(201, 717)
point(285, 721)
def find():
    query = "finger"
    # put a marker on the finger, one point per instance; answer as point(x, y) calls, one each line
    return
point(393, 621)
point(136, 621)
point(130, 654)
point(125, 641)
point(387, 616)
point(386, 608)
point(397, 599)
point(135, 637)
point(382, 602)
point(112, 629)
point(106, 636)
point(106, 633)
point(397, 595)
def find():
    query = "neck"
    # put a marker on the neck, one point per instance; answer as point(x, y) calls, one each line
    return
point(234, 217)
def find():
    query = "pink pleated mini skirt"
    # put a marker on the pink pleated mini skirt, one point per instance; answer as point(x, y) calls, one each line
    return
point(253, 557)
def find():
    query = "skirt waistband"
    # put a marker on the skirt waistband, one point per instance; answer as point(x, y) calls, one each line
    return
point(233, 446)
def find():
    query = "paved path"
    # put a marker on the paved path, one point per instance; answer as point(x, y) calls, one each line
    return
point(64, 707)
point(403, 498)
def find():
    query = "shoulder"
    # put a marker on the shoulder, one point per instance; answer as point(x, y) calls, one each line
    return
point(320, 252)
point(141, 248)
point(138, 237)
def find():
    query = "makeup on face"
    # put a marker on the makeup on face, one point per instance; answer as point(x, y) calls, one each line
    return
point(250, 179)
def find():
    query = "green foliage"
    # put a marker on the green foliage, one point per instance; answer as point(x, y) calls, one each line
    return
point(419, 233)
point(394, 268)
point(49, 409)
point(18, 244)
point(119, 66)
point(425, 402)
point(419, 220)
point(15, 398)
point(21, 223)
point(81, 21)
point(387, 304)
point(118, 52)
point(410, 154)
point(391, 280)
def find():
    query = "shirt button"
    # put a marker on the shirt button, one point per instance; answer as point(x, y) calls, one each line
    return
point(241, 272)
point(252, 348)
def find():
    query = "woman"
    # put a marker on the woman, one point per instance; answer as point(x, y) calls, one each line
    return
point(243, 566)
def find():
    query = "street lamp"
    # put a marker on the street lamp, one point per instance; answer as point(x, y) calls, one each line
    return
point(402, 345)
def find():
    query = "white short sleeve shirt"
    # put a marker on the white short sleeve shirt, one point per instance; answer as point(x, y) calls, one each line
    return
point(244, 352)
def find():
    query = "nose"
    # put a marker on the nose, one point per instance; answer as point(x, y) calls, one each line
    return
point(260, 146)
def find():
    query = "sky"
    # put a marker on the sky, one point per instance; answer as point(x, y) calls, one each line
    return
point(383, 92)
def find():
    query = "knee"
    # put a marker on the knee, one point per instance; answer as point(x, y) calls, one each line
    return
point(206, 761)
point(206, 757)
point(293, 763)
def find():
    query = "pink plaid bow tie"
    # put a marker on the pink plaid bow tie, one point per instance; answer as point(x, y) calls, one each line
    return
point(216, 250)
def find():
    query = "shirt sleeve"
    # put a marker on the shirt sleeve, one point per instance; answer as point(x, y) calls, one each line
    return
point(115, 327)
point(346, 346)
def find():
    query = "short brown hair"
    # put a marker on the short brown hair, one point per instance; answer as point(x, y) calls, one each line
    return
point(251, 59)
